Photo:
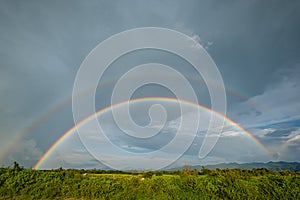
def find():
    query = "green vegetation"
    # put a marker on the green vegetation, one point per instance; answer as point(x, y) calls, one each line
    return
point(19, 183)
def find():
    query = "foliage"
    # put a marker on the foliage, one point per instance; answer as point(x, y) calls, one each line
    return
point(19, 183)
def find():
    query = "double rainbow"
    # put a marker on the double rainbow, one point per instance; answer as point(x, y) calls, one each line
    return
point(72, 130)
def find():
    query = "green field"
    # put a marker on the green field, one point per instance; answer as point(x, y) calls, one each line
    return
point(18, 183)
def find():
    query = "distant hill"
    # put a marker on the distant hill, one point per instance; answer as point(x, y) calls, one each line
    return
point(292, 166)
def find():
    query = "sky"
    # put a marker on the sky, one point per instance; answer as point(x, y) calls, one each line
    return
point(255, 45)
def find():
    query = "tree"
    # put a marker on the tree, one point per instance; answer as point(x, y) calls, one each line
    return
point(17, 167)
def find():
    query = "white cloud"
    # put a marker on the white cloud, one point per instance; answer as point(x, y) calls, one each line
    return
point(290, 149)
point(231, 133)
point(294, 136)
point(279, 103)
point(196, 38)
point(182, 28)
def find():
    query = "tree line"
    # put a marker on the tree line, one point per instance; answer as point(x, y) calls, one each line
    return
point(19, 183)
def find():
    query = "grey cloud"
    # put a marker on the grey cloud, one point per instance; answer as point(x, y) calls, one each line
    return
point(281, 133)
point(30, 154)
point(254, 44)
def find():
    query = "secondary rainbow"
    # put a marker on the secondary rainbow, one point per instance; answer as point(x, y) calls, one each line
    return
point(14, 142)
point(102, 111)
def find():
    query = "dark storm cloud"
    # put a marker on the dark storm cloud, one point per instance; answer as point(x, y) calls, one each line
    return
point(42, 44)
point(251, 40)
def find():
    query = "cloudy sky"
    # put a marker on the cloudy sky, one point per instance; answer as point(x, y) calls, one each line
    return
point(255, 45)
